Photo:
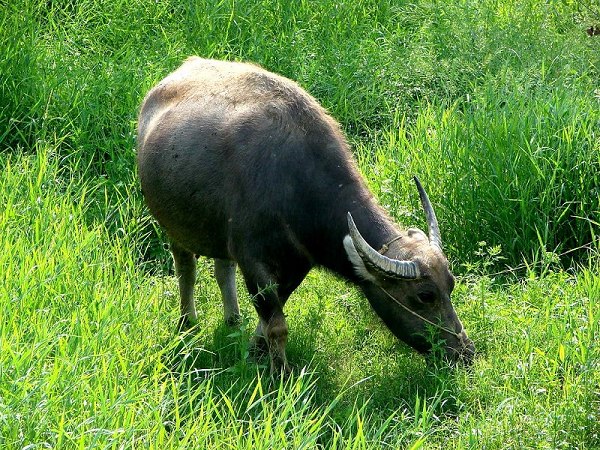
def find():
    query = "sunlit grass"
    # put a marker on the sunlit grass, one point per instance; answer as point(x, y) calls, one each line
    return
point(90, 356)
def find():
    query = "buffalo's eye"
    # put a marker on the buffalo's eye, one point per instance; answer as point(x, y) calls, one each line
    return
point(426, 297)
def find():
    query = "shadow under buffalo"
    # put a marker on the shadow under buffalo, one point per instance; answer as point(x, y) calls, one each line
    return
point(223, 358)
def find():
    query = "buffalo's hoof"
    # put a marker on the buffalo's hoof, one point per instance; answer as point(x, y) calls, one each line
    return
point(258, 347)
point(185, 324)
point(233, 321)
point(280, 369)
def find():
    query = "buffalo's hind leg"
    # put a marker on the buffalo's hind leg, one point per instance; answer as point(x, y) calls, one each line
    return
point(225, 275)
point(185, 269)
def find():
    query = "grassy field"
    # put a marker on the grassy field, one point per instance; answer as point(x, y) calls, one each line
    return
point(495, 105)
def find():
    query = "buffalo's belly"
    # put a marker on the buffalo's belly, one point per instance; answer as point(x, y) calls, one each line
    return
point(194, 227)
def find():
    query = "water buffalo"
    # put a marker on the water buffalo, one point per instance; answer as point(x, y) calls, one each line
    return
point(243, 166)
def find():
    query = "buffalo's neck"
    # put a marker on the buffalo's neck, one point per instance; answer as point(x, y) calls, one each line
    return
point(324, 194)
point(372, 222)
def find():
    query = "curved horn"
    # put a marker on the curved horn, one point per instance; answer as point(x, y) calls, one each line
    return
point(382, 264)
point(432, 223)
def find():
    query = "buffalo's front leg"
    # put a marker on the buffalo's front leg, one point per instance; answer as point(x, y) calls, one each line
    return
point(271, 338)
point(263, 287)
point(258, 343)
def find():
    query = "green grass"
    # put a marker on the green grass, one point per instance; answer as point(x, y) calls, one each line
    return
point(494, 104)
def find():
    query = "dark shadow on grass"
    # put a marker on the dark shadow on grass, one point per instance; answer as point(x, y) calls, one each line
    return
point(216, 353)
point(197, 356)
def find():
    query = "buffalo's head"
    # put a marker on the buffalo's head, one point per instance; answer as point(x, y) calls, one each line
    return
point(408, 283)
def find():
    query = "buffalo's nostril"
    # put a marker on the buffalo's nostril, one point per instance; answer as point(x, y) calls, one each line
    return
point(464, 352)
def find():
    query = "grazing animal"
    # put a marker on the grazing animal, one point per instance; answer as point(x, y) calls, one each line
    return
point(243, 166)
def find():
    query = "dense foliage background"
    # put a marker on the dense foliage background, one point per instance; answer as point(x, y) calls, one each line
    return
point(494, 104)
point(490, 103)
